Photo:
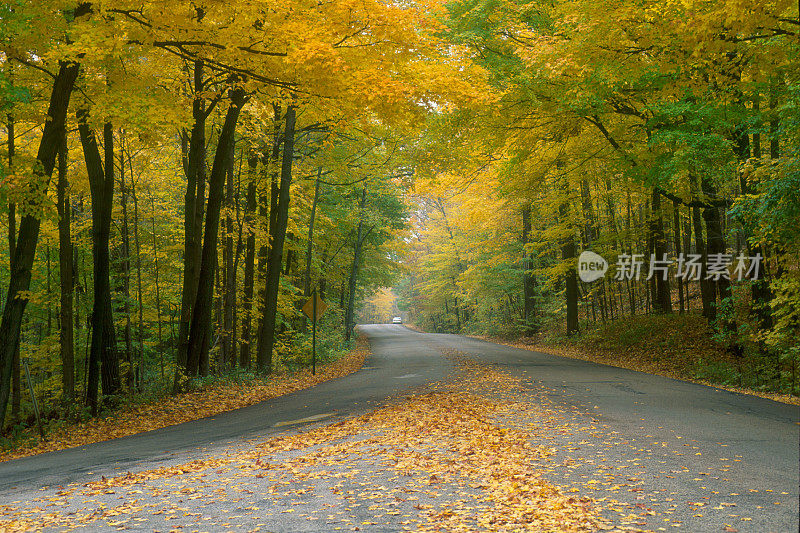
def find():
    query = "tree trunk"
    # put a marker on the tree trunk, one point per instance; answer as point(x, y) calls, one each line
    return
point(16, 382)
point(126, 272)
point(249, 267)
point(158, 288)
point(66, 268)
point(139, 296)
point(309, 246)
point(663, 296)
point(568, 254)
point(528, 281)
point(194, 202)
point(351, 293)
point(715, 241)
point(28, 236)
point(101, 181)
point(676, 242)
point(268, 212)
point(280, 213)
point(229, 279)
point(708, 290)
point(200, 330)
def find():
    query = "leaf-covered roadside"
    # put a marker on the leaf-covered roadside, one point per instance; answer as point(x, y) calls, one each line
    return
point(674, 346)
point(211, 400)
point(456, 457)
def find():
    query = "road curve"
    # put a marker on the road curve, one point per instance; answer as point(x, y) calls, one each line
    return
point(400, 362)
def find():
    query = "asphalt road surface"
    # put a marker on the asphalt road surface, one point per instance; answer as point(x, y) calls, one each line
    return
point(701, 458)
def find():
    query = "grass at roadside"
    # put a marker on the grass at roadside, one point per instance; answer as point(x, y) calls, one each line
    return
point(214, 398)
point(675, 346)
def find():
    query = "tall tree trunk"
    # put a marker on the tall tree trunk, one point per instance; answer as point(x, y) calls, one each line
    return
point(200, 330)
point(139, 296)
point(568, 254)
point(66, 269)
point(663, 298)
point(528, 281)
point(127, 334)
point(103, 352)
point(268, 212)
point(351, 293)
point(266, 335)
point(708, 290)
point(676, 242)
point(229, 280)
point(28, 236)
point(158, 288)
point(16, 382)
point(310, 245)
point(715, 241)
point(249, 267)
point(194, 201)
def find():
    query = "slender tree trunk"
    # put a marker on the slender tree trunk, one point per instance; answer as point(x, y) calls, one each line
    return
point(568, 254)
point(127, 334)
point(158, 288)
point(194, 150)
point(249, 268)
point(676, 242)
point(715, 243)
point(28, 236)
point(16, 382)
point(139, 296)
point(348, 321)
point(103, 358)
point(200, 331)
point(281, 215)
point(663, 295)
point(309, 246)
point(708, 290)
point(229, 270)
point(528, 281)
point(268, 212)
point(66, 269)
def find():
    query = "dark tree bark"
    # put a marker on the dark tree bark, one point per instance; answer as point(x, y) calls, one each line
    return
point(708, 290)
point(28, 235)
point(309, 246)
point(715, 241)
point(528, 281)
point(66, 269)
point(194, 151)
point(351, 293)
point(676, 242)
point(663, 300)
point(139, 296)
point(229, 278)
point(16, 382)
point(268, 212)
point(127, 334)
point(280, 213)
point(158, 287)
point(200, 330)
point(103, 357)
point(249, 267)
point(568, 253)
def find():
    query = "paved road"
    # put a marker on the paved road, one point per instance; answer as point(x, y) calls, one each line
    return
point(699, 457)
point(399, 362)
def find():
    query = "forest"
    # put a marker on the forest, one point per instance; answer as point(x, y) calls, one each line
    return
point(179, 178)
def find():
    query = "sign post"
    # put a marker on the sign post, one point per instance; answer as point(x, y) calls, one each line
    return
point(314, 308)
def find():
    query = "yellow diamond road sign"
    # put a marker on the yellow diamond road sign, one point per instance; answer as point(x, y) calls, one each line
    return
point(308, 307)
